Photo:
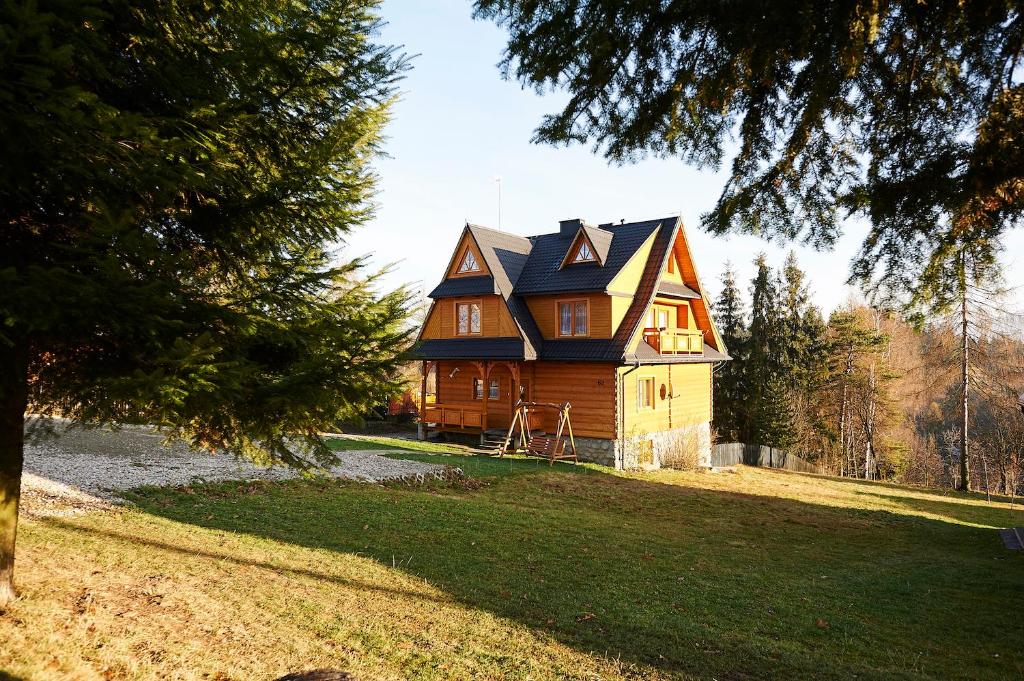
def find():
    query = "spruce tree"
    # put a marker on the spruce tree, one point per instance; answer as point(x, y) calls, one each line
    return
point(907, 113)
point(765, 347)
point(773, 418)
point(795, 308)
point(173, 177)
point(730, 390)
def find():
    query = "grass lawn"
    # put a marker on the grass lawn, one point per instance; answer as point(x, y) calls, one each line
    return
point(532, 573)
point(372, 442)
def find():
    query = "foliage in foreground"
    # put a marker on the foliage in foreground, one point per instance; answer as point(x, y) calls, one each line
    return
point(907, 113)
point(546, 575)
point(173, 176)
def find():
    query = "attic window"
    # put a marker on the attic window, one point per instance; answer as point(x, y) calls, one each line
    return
point(469, 263)
point(584, 254)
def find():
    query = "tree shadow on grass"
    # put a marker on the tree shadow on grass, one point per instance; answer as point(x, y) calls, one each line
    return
point(688, 580)
point(969, 514)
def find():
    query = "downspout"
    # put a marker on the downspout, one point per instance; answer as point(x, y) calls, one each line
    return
point(622, 408)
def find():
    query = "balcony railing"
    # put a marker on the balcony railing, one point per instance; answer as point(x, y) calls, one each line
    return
point(675, 342)
point(459, 416)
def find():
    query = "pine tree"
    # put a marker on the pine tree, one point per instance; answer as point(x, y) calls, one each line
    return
point(909, 114)
point(803, 362)
point(730, 390)
point(773, 419)
point(173, 175)
point(765, 347)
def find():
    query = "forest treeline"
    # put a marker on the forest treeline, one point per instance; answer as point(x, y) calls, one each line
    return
point(868, 394)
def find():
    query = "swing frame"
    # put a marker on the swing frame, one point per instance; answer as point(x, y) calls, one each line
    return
point(543, 446)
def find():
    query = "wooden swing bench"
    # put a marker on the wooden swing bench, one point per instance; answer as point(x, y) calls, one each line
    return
point(552, 448)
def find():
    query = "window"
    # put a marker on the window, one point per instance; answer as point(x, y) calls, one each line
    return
point(584, 254)
point(645, 393)
point(662, 318)
point(672, 264)
point(659, 317)
point(573, 318)
point(467, 318)
point(493, 392)
point(469, 263)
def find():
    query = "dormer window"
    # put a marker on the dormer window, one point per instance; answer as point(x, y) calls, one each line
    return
point(584, 254)
point(590, 245)
point(469, 263)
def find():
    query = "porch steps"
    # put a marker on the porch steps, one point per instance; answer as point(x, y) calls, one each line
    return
point(497, 442)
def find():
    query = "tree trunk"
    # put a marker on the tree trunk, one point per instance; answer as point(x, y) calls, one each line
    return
point(13, 400)
point(965, 471)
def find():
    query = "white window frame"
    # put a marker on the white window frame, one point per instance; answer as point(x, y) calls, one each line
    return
point(469, 319)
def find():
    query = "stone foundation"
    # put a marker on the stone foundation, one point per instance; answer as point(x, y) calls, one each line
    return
point(686, 447)
point(598, 450)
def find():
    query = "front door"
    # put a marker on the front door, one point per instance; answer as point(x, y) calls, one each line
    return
point(499, 399)
point(526, 390)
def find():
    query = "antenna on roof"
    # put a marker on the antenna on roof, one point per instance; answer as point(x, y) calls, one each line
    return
point(497, 180)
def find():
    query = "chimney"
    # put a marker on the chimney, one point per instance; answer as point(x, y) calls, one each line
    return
point(569, 227)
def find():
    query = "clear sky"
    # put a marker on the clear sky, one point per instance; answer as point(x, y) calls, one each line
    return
point(459, 125)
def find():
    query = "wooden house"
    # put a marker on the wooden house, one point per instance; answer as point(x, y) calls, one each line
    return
point(610, 318)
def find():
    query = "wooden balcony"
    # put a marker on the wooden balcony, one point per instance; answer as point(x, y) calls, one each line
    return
point(675, 341)
point(453, 415)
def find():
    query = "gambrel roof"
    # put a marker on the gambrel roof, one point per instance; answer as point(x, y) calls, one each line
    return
point(522, 266)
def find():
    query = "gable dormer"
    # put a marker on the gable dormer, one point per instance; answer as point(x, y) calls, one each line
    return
point(589, 245)
point(468, 261)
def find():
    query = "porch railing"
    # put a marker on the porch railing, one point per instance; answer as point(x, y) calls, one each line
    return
point(674, 342)
point(456, 415)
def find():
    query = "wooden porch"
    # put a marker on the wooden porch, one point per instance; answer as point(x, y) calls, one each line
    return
point(468, 415)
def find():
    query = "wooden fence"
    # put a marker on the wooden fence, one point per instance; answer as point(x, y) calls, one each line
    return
point(732, 453)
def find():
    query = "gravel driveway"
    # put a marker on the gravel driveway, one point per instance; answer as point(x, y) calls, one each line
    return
point(81, 470)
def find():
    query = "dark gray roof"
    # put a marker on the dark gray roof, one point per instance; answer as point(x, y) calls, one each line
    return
point(465, 286)
point(469, 348)
point(601, 239)
point(530, 265)
point(581, 349)
point(506, 256)
point(541, 273)
point(669, 288)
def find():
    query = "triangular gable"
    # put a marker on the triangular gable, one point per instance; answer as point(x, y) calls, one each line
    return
point(688, 272)
point(680, 249)
point(673, 270)
point(467, 250)
point(590, 245)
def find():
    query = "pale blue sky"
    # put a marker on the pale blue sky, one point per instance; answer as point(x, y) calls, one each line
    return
point(459, 125)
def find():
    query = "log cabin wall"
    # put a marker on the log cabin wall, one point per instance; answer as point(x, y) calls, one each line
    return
point(544, 309)
point(686, 401)
point(588, 387)
point(495, 320)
